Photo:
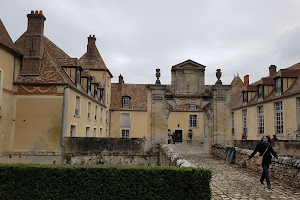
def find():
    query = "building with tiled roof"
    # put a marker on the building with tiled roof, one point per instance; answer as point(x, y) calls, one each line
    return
point(269, 106)
point(51, 96)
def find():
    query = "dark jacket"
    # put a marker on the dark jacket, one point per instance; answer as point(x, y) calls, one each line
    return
point(267, 156)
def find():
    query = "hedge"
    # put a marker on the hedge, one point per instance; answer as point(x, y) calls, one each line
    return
point(103, 182)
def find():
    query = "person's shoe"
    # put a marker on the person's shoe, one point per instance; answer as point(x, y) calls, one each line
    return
point(261, 182)
point(269, 186)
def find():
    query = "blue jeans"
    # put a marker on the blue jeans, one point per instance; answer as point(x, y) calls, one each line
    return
point(265, 174)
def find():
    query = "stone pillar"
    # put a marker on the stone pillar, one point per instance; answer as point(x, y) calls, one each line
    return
point(208, 128)
point(221, 114)
point(159, 121)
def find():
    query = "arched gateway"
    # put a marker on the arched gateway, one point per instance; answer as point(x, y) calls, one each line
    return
point(175, 106)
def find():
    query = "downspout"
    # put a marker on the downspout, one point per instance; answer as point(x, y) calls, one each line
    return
point(63, 125)
point(14, 69)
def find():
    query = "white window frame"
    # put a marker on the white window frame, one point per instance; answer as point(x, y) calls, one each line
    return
point(278, 85)
point(125, 133)
point(193, 123)
point(101, 114)
point(261, 92)
point(244, 120)
point(126, 102)
point(89, 110)
point(261, 120)
point(125, 121)
point(279, 126)
point(87, 131)
point(96, 110)
point(77, 106)
point(73, 134)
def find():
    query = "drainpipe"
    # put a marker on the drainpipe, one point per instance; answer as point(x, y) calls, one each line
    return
point(63, 125)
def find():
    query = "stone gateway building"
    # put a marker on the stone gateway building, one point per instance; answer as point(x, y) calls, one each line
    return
point(47, 97)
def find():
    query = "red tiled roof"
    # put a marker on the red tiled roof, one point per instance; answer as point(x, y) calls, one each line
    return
point(137, 93)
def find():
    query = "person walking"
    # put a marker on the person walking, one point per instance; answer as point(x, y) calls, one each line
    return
point(264, 148)
point(173, 137)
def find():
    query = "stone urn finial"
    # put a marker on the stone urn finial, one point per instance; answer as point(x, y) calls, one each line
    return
point(157, 76)
point(218, 75)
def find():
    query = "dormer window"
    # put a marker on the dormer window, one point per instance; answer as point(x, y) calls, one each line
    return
point(78, 76)
point(125, 102)
point(278, 86)
point(193, 107)
point(95, 90)
point(101, 93)
point(89, 85)
point(260, 91)
point(245, 97)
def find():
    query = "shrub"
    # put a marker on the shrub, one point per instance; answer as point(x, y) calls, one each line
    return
point(103, 182)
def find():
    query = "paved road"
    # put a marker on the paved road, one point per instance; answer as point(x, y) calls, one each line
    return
point(231, 182)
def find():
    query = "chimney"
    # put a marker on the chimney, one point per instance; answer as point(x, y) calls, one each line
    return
point(121, 81)
point(246, 80)
point(36, 22)
point(34, 44)
point(91, 47)
point(272, 70)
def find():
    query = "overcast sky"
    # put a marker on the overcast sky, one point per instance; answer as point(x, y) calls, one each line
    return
point(135, 37)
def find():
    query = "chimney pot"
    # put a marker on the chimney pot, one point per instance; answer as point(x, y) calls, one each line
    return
point(36, 12)
point(41, 12)
point(246, 80)
point(32, 12)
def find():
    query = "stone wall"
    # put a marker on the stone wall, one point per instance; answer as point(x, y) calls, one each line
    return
point(108, 151)
point(282, 147)
point(286, 170)
point(167, 157)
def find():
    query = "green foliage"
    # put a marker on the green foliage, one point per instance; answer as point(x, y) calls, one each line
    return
point(103, 182)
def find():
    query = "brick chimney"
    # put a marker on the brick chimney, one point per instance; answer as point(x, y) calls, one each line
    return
point(246, 80)
point(34, 44)
point(36, 22)
point(91, 47)
point(121, 81)
point(272, 70)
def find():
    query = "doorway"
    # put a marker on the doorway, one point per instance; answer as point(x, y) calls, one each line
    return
point(178, 135)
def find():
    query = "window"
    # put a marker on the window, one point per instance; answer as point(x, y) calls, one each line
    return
point(89, 85)
point(96, 110)
point(125, 133)
point(106, 117)
point(73, 131)
point(193, 121)
point(100, 132)
point(95, 90)
point(94, 132)
point(245, 129)
point(125, 102)
point(261, 91)
point(261, 120)
point(87, 131)
point(77, 106)
point(89, 110)
point(278, 118)
point(101, 114)
point(232, 123)
point(78, 76)
point(193, 107)
point(245, 97)
point(278, 85)
point(125, 120)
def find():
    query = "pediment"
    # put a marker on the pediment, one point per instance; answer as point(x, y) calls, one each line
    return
point(188, 64)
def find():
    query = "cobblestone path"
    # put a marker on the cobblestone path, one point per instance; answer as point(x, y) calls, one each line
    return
point(231, 182)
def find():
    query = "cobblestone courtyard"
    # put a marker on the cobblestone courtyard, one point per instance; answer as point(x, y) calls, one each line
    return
point(231, 182)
